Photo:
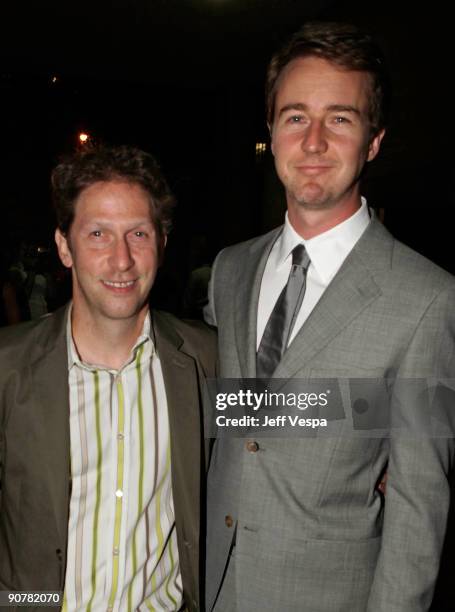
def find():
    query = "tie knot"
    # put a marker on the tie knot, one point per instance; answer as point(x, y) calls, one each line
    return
point(300, 256)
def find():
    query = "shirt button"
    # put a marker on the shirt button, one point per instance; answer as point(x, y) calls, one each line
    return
point(119, 493)
point(228, 520)
point(110, 608)
point(116, 551)
point(252, 446)
point(120, 436)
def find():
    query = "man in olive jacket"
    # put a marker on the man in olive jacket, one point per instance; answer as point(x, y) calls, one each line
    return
point(101, 451)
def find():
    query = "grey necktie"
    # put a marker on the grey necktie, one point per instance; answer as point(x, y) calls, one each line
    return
point(282, 320)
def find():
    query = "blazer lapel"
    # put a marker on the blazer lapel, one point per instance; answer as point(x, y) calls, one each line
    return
point(185, 424)
point(182, 393)
point(49, 436)
point(247, 299)
point(350, 292)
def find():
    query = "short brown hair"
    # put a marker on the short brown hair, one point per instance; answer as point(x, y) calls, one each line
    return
point(342, 44)
point(127, 164)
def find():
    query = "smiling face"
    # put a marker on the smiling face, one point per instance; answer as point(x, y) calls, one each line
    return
point(113, 250)
point(321, 135)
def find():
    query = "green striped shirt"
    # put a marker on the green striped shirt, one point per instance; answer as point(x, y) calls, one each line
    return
point(122, 543)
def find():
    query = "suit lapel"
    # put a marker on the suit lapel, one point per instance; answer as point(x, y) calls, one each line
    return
point(51, 439)
point(345, 298)
point(182, 393)
point(350, 292)
point(247, 298)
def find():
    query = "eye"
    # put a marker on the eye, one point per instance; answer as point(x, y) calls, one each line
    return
point(140, 236)
point(339, 120)
point(96, 233)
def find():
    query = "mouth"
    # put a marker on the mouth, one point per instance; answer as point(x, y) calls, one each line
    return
point(119, 283)
point(312, 170)
point(120, 286)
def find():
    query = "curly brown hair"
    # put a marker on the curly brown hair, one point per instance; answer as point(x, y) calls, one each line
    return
point(342, 44)
point(123, 163)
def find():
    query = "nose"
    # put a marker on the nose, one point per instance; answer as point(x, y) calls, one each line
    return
point(315, 138)
point(121, 256)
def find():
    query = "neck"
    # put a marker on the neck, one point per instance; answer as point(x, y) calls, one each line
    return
point(310, 223)
point(106, 343)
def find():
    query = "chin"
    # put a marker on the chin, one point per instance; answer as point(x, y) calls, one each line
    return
point(120, 314)
point(325, 203)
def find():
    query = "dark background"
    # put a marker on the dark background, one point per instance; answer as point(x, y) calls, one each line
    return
point(184, 79)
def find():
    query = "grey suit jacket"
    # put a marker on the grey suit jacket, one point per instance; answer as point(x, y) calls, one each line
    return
point(35, 447)
point(313, 533)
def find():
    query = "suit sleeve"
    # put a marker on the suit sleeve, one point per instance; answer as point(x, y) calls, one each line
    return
point(418, 487)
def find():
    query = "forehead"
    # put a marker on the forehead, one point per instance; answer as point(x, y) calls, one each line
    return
point(113, 201)
point(318, 83)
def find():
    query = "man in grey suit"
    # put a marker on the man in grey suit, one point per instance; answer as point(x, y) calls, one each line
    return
point(300, 524)
point(101, 451)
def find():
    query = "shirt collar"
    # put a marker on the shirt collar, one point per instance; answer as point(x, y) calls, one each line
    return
point(327, 250)
point(73, 356)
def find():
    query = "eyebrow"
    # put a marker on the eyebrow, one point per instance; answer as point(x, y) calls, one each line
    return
point(346, 108)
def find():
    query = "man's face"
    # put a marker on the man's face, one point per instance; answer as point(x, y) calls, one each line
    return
point(320, 133)
point(113, 250)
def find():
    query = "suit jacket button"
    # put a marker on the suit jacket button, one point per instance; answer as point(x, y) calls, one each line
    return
point(252, 446)
point(229, 521)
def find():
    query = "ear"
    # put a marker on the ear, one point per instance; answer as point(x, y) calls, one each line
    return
point(63, 249)
point(375, 145)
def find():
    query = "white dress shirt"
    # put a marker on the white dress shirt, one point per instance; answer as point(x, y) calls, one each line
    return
point(327, 252)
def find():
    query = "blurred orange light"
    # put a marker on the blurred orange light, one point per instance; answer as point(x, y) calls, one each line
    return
point(83, 137)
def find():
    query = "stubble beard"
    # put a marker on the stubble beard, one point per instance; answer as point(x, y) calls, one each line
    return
point(325, 201)
point(312, 196)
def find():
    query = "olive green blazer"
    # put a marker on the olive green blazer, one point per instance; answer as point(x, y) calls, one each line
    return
point(35, 447)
